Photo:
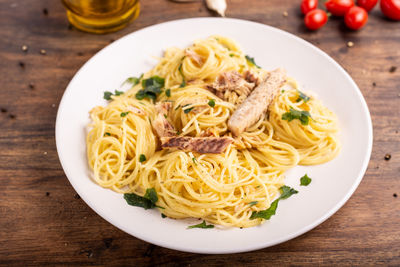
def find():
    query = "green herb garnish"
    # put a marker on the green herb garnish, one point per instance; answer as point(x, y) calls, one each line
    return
point(231, 55)
point(183, 84)
point(305, 180)
point(251, 62)
point(134, 80)
point(303, 97)
point(201, 225)
point(194, 160)
point(302, 115)
point(151, 88)
point(253, 203)
point(163, 215)
point(107, 134)
point(168, 92)
point(186, 111)
point(123, 114)
point(108, 94)
point(142, 158)
point(148, 201)
point(286, 192)
point(211, 103)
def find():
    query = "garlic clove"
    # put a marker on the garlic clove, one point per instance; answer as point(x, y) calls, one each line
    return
point(218, 6)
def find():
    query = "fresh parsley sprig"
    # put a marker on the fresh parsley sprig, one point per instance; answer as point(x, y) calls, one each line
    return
point(151, 88)
point(148, 201)
point(203, 225)
point(286, 192)
point(251, 62)
point(301, 115)
point(108, 94)
point(133, 80)
point(305, 180)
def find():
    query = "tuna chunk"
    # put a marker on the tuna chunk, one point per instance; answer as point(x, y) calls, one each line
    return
point(161, 125)
point(214, 145)
point(256, 105)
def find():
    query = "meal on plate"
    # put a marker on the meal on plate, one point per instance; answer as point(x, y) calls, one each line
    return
point(209, 134)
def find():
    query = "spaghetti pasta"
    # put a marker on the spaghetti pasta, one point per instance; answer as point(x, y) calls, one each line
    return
point(124, 152)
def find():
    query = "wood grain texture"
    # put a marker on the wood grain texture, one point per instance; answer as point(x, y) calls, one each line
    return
point(44, 222)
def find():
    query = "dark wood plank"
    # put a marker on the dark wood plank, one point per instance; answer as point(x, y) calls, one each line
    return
point(44, 222)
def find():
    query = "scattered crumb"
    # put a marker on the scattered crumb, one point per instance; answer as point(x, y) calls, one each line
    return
point(21, 64)
point(3, 110)
point(394, 195)
point(388, 157)
point(45, 11)
point(350, 44)
point(24, 48)
point(392, 69)
point(45, 153)
point(53, 105)
point(65, 244)
point(285, 14)
point(77, 196)
point(43, 52)
point(12, 116)
point(47, 194)
point(374, 84)
point(31, 85)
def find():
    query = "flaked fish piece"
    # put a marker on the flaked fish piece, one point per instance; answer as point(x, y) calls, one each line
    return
point(256, 105)
point(213, 145)
point(161, 125)
point(232, 86)
point(193, 55)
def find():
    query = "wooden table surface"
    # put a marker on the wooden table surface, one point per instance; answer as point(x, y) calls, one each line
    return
point(44, 222)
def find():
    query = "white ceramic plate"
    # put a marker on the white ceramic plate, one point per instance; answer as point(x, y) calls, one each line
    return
point(332, 185)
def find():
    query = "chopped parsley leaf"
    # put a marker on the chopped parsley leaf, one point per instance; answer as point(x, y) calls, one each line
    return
point(201, 225)
point(282, 91)
point(107, 134)
point(123, 114)
point(251, 62)
point(286, 192)
point(194, 160)
point(148, 201)
point(108, 94)
point(163, 215)
point(151, 88)
point(168, 92)
point(211, 103)
point(142, 158)
point(303, 97)
point(183, 84)
point(186, 111)
point(165, 116)
point(253, 203)
point(231, 55)
point(301, 115)
point(177, 107)
point(134, 80)
point(305, 180)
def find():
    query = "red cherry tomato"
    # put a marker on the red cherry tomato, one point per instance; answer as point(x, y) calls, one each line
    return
point(356, 17)
point(339, 7)
point(367, 4)
point(308, 5)
point(391, 9)
point(315, 19)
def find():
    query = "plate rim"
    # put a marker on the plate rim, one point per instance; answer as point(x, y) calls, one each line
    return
point(258, 246)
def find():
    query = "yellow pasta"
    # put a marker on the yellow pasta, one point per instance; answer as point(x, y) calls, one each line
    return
point(125, 155)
